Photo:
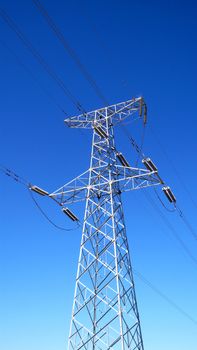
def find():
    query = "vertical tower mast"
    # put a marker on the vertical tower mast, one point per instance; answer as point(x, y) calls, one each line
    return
point(105, 314)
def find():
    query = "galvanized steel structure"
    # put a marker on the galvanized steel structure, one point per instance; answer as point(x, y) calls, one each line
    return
point(105, 314)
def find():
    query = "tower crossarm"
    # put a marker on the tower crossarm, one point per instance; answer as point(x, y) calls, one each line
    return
point(117, 113)
point(134, 178)
point(128, 178)
point(73, 191)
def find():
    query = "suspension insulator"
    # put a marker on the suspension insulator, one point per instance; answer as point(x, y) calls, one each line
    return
point(100, 131)
point(39, 190)
point(70, 214)
point(149, 164)
point(141, 106)
point(169, 194)
point(122, 159)
point(145, 114)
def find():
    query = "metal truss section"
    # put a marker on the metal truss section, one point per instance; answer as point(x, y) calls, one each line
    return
point(115, 113)
point(129, 179)
point(135, 178)
point(105, 314)
point(73, 191)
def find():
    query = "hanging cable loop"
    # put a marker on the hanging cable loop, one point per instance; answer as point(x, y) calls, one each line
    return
point(162, 203)
point(27, 184)
point(47, 217)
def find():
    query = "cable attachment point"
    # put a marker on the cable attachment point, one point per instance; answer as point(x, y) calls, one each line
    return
point(169, 194)
point(39, 190)
point(143, 109)
point(149, 164)
point(70, 214)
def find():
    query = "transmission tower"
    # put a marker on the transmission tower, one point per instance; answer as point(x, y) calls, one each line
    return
point(105, 313)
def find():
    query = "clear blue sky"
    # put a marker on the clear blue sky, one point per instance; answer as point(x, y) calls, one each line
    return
point(130, 48)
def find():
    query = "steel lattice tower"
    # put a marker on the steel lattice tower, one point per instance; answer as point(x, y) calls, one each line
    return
point(105, 314)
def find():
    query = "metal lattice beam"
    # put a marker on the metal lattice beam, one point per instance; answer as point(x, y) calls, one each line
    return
point(105, 314)
point(115, 113)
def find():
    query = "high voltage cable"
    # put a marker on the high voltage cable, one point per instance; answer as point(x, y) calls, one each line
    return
point(187, 224)
point(173, 167)
point(126, 132)
point(44, 64)
point(26, 69)
point(162, 203)
point(182, 216)
point(176, 208)
point(180, 212)
point(47, 217)
point(58, 34)
point(76, 59)
point(69, 49)
point(172, 229)
point(139, 151)
point(40, 59)
point(82, 68)
point(10, 173)
point(134, 143)
point(21, 180)
point(78, 105)
point(164, 296)
point(35, 53)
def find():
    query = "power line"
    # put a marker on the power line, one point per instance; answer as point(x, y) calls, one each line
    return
point(16, 178)
point(47, 217)
point(173, 167)
point(140, 153)
point(125, 130)
point(133, 142)
point(19, 61)
point(172, 229)
point(75, 57)
point(44, 64)
point(187, 224)
point(10, 173)
point(40, 59)
point(162, 203)
point(164, 296)
point(180, 212)
point(82, 68)
point(69, 50)
point(72, 53)
point(181, 215)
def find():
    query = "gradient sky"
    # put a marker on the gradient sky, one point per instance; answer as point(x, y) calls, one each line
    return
point(130, 48)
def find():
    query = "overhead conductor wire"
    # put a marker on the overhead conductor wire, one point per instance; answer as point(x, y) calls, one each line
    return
point(60, 36)
point(27, 70)
point(138, 149)
point(93, 83)
point(47, 217)
point(164, 296)
point(35, 53)
point(83, 69)
point(21, 180)
point(171, 227)
point(140, 154)
point(67, 92)
point(10, 173)
point(173, 167)
point(40, 59)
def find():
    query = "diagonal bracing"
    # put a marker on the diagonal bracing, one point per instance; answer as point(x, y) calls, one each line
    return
point(105, 314)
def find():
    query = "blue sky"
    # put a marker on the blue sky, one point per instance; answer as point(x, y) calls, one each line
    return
point(131, 49)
